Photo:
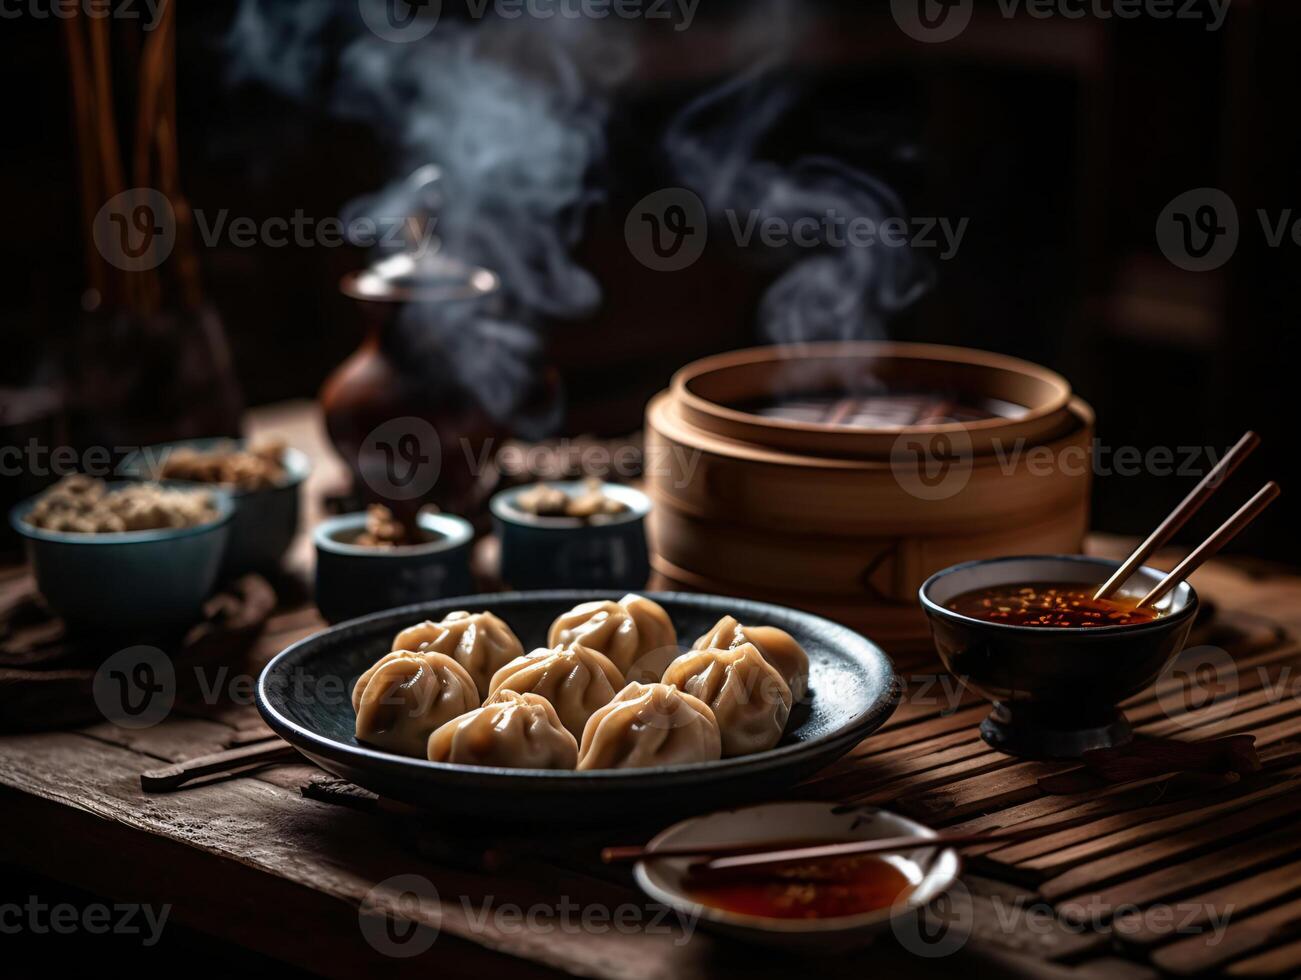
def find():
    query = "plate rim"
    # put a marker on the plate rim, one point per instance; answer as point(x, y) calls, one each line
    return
point(393, 764)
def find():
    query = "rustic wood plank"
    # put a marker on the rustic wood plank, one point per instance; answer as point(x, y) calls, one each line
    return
point(1256, 932)
point(1061, 811)
point(213, 894)
point(339, 853)
point(1055, 813)
point(877, 783)
point(175, 740)
point(1137, 828)
point(1239, 859)
point(1014, 784)
point(962, 720)
point(1256, 708)
point(1001, 912)
point(1283, 960)
point(923, 746)
point(1234, 899)
point(1189, 842)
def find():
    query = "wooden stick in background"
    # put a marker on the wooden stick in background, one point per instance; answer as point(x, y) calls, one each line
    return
point(83, 97)
point(149, 98)
point(110, 153)
point(184, 254)
point(1180, 515)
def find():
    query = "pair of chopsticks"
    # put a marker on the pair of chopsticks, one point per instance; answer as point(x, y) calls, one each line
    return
point(236, 761)
point(730, 857)
point(1178, 517)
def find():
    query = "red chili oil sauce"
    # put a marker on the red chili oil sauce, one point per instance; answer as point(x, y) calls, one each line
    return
point(820, 889)
point(1056, 604)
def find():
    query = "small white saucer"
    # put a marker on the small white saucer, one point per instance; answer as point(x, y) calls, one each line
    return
point(932, 870)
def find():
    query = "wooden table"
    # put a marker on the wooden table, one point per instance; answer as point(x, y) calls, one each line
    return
point(288, 862)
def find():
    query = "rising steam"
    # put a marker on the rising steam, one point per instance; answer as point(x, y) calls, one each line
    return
point(831, 292)
point(512, 113)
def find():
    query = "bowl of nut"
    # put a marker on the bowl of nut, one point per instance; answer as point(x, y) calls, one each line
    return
point(577, 534)
point(125, 556)
point(262, 478)
point(371, 560)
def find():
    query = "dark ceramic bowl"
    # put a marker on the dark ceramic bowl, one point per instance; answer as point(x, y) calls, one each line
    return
point(265, 521)
point(304, 694)
point(129, 582)
point(1055, 690)
point(352, 581)
point(565, 552)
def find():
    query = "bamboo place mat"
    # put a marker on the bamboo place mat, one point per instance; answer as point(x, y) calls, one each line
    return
point(1145, 870)
point(1172, 854)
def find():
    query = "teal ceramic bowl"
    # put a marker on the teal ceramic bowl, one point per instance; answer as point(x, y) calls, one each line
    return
point(352, 580)
point(568, 553)
point(132, 581)
point(265, 521)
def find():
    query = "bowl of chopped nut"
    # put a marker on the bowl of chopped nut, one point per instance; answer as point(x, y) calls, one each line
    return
point(370, 561)
point(583, 534)
point(263, 479)
point(125, 556)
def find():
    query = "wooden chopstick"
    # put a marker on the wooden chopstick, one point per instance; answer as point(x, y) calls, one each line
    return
point(172, 777)
point(1178, 517)
point(1225, 533)
point(757, 853)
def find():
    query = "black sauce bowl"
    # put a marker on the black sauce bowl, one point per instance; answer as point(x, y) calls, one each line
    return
point(1055, 689)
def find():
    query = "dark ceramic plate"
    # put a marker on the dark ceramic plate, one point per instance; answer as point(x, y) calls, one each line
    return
point(304, 694)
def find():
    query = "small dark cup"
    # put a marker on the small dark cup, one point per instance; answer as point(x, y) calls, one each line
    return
point(1055, 690)
point(352, 580)
point(568, 553)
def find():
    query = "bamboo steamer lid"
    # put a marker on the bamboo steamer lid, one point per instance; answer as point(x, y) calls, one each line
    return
point(712, 395)
point(717, 479)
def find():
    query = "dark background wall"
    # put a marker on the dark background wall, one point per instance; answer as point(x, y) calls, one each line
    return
point(1061, 140)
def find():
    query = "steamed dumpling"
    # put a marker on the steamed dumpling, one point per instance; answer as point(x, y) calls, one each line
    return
point(749, 699)
point(650, 725)
point(777, 647)
point(521, 731)
point(624, 631)
point(479, 642)
point(574, 679)
point(405, 696)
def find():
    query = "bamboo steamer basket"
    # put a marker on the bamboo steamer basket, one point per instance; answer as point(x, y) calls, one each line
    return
point(840, 521)
point(882, 568)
